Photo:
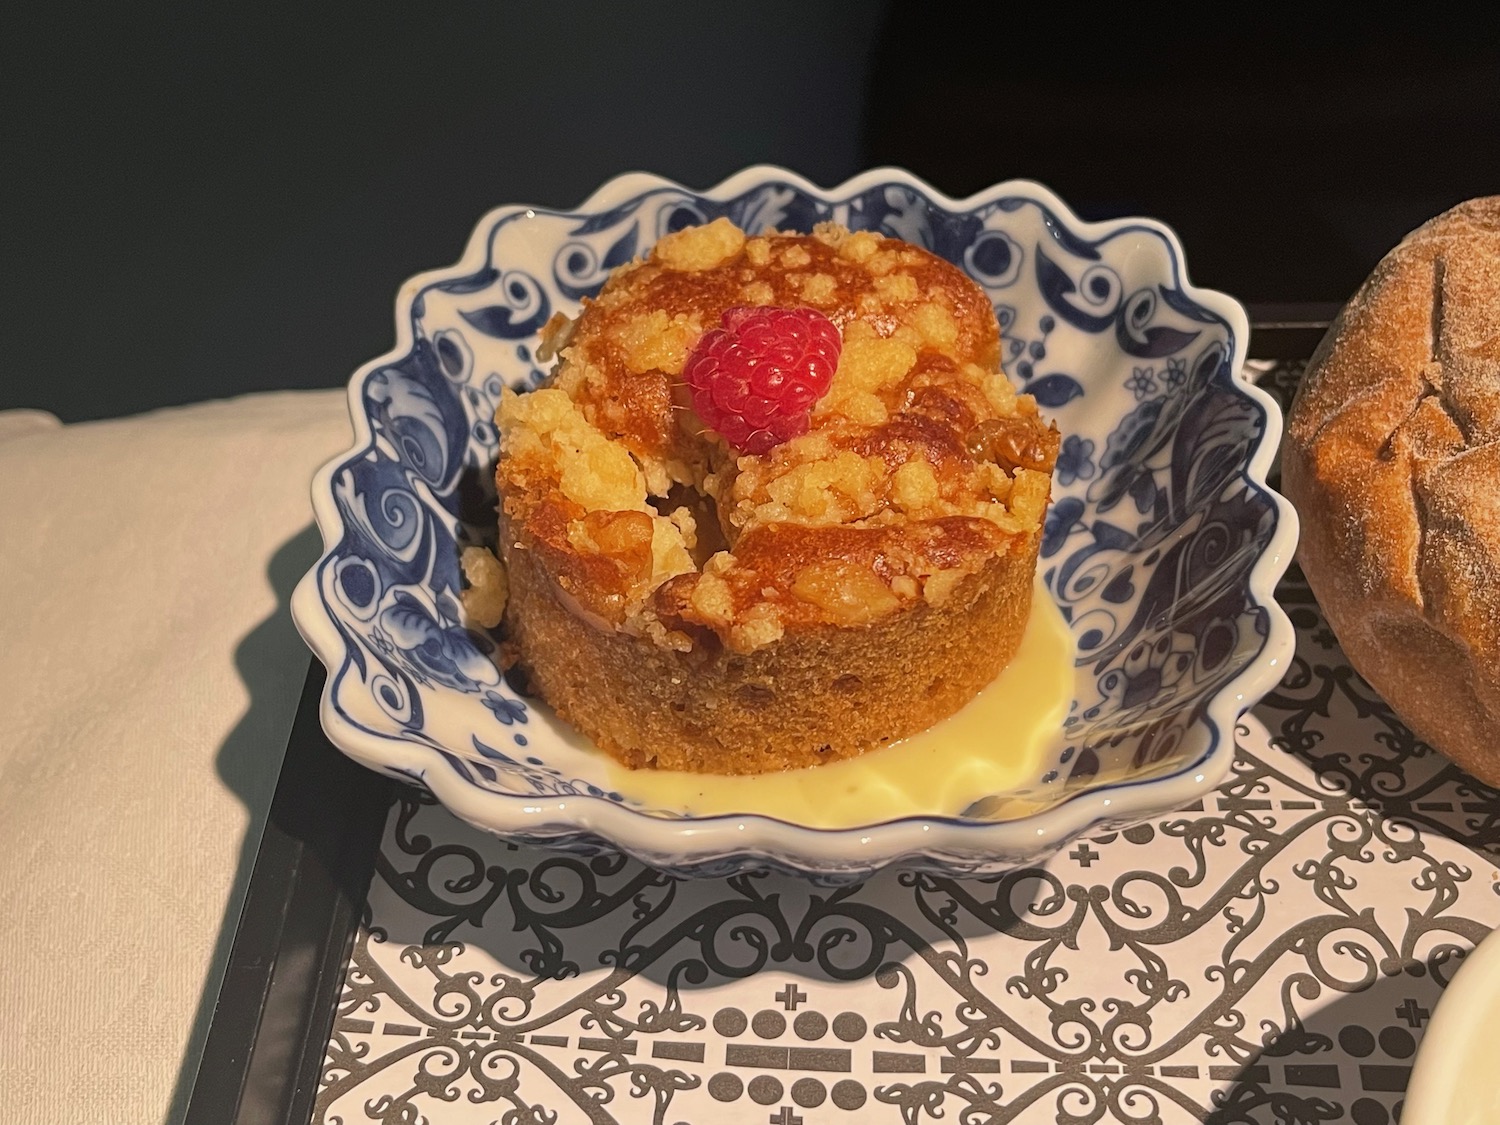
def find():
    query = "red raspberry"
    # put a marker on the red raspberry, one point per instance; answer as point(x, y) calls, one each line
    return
point(755, 379)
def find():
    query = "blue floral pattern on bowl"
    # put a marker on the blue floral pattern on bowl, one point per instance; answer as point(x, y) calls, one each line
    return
point(1162, 547)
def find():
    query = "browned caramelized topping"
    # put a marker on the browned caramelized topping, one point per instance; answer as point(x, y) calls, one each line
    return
point(1019, 442)
point(920, 465)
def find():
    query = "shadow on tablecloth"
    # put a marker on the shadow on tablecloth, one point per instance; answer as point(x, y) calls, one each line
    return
point(248, 762)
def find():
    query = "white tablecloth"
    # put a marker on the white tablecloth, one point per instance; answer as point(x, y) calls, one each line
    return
point(149, 673)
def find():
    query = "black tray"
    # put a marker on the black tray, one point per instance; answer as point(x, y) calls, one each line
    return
point(276, 1004)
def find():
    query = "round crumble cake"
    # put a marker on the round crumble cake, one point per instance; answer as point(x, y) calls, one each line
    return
point(777, 504)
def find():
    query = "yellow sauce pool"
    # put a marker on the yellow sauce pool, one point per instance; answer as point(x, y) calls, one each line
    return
point(995, 744)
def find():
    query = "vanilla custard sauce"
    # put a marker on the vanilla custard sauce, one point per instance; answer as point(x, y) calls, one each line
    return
point(994, 744)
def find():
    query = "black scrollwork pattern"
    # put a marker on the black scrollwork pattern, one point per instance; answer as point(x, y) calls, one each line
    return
point(1270, 956)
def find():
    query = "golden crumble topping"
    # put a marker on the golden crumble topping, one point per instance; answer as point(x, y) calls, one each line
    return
point(920, 465)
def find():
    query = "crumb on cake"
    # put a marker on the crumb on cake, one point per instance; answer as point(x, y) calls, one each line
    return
point(485, 594)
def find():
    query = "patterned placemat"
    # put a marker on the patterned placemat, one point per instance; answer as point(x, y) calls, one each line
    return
point(1270, 955)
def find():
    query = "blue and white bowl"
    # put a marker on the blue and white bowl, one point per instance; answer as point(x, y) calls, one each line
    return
point(1162, 547)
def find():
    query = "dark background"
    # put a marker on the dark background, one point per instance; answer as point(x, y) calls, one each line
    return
point(210, 199)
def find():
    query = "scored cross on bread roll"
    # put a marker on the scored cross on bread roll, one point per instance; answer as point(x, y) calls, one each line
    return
point(1392, 458)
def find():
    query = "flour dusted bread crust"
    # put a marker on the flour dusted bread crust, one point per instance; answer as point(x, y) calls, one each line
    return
point(1392, 459)
point(688, 606)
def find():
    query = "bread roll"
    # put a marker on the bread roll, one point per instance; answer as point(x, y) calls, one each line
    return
point(1392, 458)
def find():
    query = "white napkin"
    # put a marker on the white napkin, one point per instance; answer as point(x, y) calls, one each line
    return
point(149, 673)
